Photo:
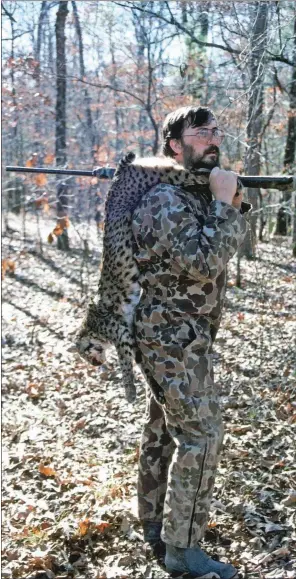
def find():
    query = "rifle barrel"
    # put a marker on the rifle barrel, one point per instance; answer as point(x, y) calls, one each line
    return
point(266, 182)
point(251, 181)
point(101, 172)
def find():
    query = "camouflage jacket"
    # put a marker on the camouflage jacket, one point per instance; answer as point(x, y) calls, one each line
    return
point(183, 241)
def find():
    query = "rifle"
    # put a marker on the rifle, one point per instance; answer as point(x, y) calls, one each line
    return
point(251, 181)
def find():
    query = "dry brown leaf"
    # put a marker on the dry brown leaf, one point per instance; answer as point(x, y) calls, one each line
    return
point(80, 424)
point(3, 268)
point(65, 222)
point(41, 201)
point(62, 224)
point(11, 266)
point(84, 527)
point(12, 555)
point(116, 492)
point(34, 390)
point(36, 563)
point(46, 470)
point(7, 265)
point(240, 429)
point(102, 526)
point(86, 482)
point(40, 179)
point(32, 162)
point(58, 230)
point(45, 525)
point(290, 500)
point(49, 158)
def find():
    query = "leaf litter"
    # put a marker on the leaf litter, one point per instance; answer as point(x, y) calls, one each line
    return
point(71, 441)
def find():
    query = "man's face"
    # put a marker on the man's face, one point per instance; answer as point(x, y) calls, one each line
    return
point(199, 151)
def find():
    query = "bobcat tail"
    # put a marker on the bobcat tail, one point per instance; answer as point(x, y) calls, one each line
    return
point(125, 161)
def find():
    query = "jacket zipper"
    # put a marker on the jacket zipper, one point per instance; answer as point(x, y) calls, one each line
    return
point(198, 488)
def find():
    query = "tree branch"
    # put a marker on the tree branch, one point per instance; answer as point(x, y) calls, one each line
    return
point(7, 13)
point(108, 86)
point(175, 22)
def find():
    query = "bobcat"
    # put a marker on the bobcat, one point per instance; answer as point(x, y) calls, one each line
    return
point(109, 317)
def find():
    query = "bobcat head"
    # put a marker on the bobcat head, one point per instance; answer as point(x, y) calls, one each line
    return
point(90, 348)
point(89, 343)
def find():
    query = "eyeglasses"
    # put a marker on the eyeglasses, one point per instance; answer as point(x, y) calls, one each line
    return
point(207, 135)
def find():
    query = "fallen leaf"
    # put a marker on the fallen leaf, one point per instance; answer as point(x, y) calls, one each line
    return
point(79, 424)
point(65, 222)
point(34, 390)
point(7, 265)
point(49, 158)
point(58, 230)
point(290, 500)
point(40, 179)
point(31, 162)
point(46, 470)
point(84, 527)
point(102, 526)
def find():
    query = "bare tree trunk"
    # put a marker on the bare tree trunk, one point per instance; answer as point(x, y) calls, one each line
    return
point(141, 41)
point(294, 223)
point(148, 103)
point(42, 17)
point(289, 158)
point(259, 11)
point(15, 124)
point(87, 98)
point(118, 152)
point(142, 27)
point(197, 55)
point(61, 155)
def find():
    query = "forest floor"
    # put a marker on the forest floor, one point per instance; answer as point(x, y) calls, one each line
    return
point(70, 440)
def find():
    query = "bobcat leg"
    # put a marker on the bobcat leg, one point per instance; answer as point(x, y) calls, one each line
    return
point(126, 366)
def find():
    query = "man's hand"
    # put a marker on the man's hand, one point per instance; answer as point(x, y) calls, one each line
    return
point(223, 185)
point(237, 199)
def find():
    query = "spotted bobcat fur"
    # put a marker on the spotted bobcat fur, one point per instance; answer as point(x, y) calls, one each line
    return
point(109, 317)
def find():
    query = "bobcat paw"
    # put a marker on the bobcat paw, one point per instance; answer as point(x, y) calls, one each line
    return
point(130, 393)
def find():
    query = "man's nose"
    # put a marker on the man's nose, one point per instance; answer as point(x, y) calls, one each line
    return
point(214, 138)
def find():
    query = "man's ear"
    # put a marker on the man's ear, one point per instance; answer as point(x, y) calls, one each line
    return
point(176, 146)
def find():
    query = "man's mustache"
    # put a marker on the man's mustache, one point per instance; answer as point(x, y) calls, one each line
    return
point(212, 149)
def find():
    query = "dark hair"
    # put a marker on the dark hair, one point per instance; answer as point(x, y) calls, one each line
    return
point(176, 122)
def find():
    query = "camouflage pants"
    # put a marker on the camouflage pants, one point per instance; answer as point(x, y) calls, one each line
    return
point(183, 431)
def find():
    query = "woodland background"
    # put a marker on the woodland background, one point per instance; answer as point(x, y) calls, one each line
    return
point(82, 84)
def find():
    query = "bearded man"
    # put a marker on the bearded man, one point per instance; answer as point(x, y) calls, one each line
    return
point(183, 242)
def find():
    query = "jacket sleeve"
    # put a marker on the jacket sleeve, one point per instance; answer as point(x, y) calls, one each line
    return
point(200, 242)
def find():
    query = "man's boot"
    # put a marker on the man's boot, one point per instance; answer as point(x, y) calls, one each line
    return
point(196, 563)
point(151, 531)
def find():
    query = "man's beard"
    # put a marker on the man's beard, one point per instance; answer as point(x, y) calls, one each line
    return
point(194, 161)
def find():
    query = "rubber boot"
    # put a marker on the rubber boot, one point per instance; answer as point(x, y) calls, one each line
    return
point(151, 531)
point(196, 563)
